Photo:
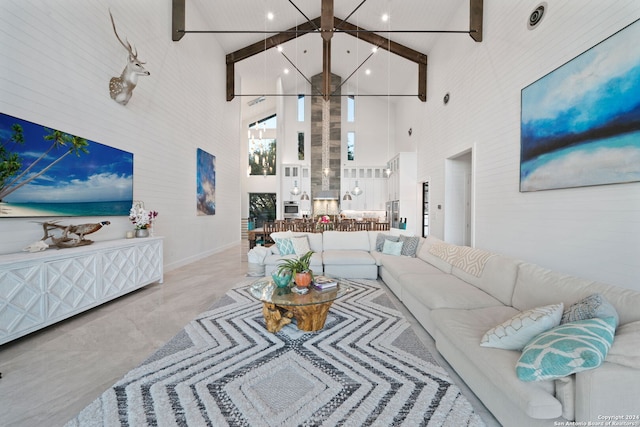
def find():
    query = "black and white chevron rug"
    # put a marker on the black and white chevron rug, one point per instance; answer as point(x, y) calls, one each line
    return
point(365, 368)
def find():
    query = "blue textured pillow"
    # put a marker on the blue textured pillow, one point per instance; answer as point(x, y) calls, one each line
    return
point(392, 248)
point(381, 238)
point(409, 245)
point(592, 306)
point(285, 246)
point(566, 349)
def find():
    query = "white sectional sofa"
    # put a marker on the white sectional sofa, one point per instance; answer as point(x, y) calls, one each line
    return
point(337, 253)
point(459, 293)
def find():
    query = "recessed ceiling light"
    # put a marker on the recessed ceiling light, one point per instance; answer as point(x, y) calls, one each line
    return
point(385, 17)
point(374, 49)
point(280, 49)
point(367, 71)
point(270, 16)
point(286, 71)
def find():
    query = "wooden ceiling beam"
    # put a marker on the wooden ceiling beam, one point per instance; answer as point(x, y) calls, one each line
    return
point(274, 41)
point(177, 20)
point(393, 47)
point(327, 22)
point(262, 46)
point(476, 13)
point(312, 26)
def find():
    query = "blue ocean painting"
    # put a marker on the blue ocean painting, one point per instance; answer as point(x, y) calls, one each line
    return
point(52, 179)
point(206, 183)
point(580, 124)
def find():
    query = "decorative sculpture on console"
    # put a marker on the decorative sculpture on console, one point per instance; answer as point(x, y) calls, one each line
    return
point(121, 88)
point(64, 240)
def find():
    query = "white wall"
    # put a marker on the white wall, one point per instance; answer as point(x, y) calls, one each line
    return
point(58, 57)
point(592, 232)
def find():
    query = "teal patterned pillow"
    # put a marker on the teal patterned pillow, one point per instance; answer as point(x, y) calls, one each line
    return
point(285, 246)
point(566, 349)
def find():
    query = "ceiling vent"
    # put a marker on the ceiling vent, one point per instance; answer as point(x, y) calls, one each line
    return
point(536, 16)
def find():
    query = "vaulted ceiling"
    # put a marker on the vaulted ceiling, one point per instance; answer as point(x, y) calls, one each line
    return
point(236, 24)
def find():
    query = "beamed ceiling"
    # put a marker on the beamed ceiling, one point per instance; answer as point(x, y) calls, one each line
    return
point(318, 36)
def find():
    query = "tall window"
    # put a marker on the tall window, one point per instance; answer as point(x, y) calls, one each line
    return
point(262, 146)
point(301, 108)
point(351, 145)
point(351, 108)
point(262, 207)
point(300, 145)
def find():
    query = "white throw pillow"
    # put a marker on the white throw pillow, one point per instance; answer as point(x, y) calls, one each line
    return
point(392, 248)
point(516, 332)
point(300, 245)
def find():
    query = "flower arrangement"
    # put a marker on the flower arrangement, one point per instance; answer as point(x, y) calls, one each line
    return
point(141, 218)
point(324, 219)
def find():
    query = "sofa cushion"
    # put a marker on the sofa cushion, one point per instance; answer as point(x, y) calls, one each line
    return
point(409, 245)
point(536, 286)
point(624, 350)
point(425, 254)
point(498, 277)
point(464, 328)
point(445, 251)
point(300, 245)
point(471, 260)
point(345, 240)
point(316, 258)
point(347, 257)
point(392, 248)
point(400, 265)
point(567, 349)
point(315, 240)
point(587, 308)
point(515, 333)
point(445, 291)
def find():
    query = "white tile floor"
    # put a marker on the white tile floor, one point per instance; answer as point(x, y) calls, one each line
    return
point(52, 374)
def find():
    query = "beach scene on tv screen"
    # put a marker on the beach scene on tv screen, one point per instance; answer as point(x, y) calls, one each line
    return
point(48, 172)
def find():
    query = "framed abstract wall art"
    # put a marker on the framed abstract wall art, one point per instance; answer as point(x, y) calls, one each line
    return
point(46, 172)
point(580, 124)
point(206, 183)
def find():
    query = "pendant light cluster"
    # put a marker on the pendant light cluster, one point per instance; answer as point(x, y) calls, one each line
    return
point(295, 191)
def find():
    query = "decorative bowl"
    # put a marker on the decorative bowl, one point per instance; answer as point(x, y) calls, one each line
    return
point(281, 281)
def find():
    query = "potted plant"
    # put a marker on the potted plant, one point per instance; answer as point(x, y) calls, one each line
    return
point(299, 268)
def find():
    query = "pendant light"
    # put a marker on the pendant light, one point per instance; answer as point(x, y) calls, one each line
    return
point(347, 196)
point(304, 196)
point(295, 190)
point(356, 190)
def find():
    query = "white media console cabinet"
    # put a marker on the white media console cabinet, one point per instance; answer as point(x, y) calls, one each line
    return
point(42, 288)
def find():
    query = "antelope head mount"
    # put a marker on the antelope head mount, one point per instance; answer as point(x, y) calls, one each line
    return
point(121, 88)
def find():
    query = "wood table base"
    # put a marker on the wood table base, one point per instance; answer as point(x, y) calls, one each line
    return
point(310, 318)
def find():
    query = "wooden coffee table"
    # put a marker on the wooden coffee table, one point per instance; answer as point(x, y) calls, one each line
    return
point(281, 305)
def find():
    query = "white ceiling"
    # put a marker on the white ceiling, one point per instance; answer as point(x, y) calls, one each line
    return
point(390, 74)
